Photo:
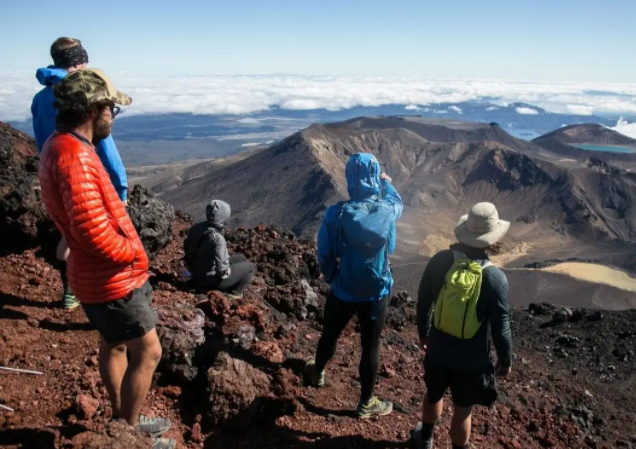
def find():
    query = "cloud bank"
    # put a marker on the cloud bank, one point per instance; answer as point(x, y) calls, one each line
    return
point(224, 94)
point(626, 128)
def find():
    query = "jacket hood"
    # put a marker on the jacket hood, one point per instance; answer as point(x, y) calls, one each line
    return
point(363, 176)
point(218, 213)
point(51, 75)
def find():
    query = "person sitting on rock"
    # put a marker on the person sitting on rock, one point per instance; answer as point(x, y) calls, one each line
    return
point(69, 55)
point(107, 264)
point(462, 300)
point(354, 243)
point(207, 257)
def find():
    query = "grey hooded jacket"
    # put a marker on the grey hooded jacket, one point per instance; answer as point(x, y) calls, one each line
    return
point(205, 248)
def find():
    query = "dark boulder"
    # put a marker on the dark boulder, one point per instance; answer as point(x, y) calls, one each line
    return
point(24, 222)
point(152, 219)
point(181, 333)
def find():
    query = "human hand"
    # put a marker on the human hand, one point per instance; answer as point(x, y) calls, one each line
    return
point(423, 344)
point(502, 371)
point(125, 203)
point(385, 176)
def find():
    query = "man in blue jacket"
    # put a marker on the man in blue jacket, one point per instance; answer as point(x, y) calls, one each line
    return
point(354, 244)
point(69, 55)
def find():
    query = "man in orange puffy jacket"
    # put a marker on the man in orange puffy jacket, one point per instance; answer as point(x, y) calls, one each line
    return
point(107, 266)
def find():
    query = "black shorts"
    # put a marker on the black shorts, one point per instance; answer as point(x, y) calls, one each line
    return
point(125, 319)
point(468, 388)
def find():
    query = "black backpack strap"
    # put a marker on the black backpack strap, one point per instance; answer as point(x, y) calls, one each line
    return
point(338, 227)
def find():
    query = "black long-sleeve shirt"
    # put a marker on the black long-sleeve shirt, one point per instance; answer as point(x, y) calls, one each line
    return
point(492, 311)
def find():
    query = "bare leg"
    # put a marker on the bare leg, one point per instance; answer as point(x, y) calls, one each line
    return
point(461, 426)
point(112, 366)
point(62, 251)
point(145, 354)
point(431, 413)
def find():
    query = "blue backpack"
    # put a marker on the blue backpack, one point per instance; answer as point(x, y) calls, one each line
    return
point(364, 233)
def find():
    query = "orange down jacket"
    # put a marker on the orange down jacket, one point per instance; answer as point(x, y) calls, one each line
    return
point(107, 260)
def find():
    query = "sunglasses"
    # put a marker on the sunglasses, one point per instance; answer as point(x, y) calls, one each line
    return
point(114, 110)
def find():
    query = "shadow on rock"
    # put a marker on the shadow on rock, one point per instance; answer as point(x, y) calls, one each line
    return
point(27, 438)
point(285, 437)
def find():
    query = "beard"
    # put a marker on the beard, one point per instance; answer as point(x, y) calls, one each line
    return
point(101, 129)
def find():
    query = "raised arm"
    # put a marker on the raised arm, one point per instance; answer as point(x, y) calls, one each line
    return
point(392, 196)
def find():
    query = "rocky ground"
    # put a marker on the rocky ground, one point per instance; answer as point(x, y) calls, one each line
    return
point(231, 372)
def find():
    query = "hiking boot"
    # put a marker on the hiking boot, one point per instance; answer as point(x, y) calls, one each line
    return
point(234, 296)
point(163, 443)
point(155, 427)
point(375, 407)
point(70, 302)
point(311, 377)
point(417, 438)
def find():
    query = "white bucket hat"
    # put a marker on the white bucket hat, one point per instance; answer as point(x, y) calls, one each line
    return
point(482, 227)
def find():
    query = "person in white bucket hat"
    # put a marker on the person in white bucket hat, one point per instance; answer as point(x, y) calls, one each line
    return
point(462, 296)
point(481, 228)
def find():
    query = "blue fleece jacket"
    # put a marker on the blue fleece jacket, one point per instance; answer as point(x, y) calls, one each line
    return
point(363, 184)
point(44, 125)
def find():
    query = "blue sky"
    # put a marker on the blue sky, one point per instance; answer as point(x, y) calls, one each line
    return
point(584, 40)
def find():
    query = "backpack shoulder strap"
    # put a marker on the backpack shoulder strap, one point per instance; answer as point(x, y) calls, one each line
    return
point(335, 225)
point(458, 255)
point(341, 206)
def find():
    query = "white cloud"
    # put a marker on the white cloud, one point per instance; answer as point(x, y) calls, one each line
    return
point(581, 109)
point(492, 108)
point(527, 111)
point(626, 128)
point(413, 107)
point(440, 111)
point(249, 121)
point(456, 109)
point(227, 94)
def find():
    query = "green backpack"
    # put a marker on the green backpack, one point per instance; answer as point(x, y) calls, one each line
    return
point(456, 307)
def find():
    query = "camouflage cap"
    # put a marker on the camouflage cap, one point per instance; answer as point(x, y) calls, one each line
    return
point(88, 86)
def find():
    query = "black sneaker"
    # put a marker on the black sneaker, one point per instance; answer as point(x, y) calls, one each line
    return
point(155, 427)
point(163, 443)
point(417, 438)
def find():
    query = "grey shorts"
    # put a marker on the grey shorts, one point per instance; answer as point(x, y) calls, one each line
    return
point(125, 319)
